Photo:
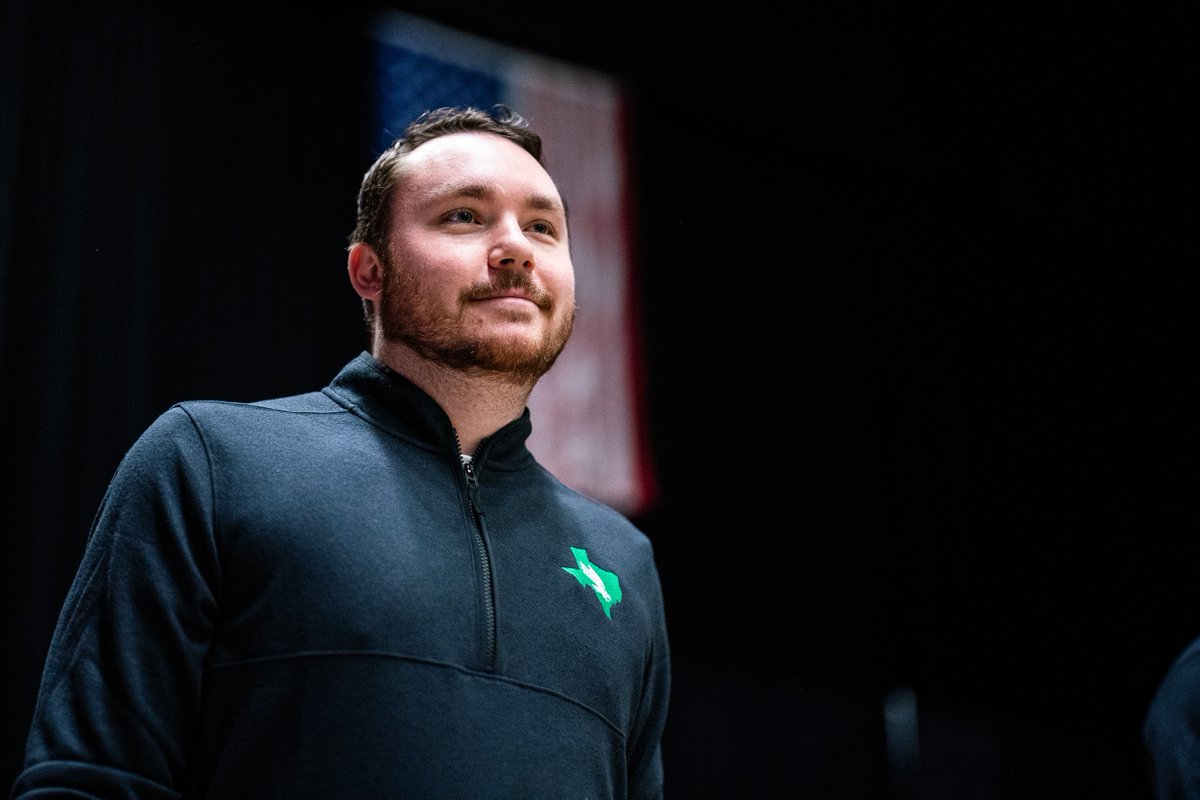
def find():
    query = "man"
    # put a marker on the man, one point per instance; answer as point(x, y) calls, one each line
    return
point(374, 590)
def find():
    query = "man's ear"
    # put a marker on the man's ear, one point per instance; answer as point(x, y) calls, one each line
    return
point(365, 269)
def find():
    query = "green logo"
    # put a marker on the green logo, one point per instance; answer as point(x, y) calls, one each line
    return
point(606, 585)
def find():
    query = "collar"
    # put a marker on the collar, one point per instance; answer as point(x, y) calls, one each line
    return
point(385, 398)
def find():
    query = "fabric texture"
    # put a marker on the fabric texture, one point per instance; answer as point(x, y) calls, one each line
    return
point(313, 597)
point(1171, 730)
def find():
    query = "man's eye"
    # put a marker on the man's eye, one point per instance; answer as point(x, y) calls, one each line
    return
point(542, 227)
point(461, 215)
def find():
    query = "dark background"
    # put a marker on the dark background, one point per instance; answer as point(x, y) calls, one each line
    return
point(918, 323)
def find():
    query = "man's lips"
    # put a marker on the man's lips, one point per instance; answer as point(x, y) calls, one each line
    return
point(512, 297)
point(506, 296)
point(510, 288)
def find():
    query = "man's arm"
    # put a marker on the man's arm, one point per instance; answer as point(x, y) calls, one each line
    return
point(120, 692)
point(644, 748)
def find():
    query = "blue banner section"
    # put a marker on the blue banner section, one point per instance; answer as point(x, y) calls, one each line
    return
point(408, 83)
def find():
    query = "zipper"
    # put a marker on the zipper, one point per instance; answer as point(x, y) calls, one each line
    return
point(485, 561)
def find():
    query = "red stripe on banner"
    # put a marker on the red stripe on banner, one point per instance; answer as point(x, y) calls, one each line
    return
point(647, 473)
point(589, 428)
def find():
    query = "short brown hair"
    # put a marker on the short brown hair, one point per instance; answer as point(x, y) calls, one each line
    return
point(375, 195)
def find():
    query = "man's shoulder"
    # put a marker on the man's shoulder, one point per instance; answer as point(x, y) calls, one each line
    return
point(598, 516)
point(233, 420)
point(316, 402)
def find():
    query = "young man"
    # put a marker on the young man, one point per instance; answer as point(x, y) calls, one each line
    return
point(374, 590)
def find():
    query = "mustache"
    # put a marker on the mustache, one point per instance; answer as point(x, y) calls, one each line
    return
point(507, 280)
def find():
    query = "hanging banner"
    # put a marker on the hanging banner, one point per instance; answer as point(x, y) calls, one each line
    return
point(588, 422)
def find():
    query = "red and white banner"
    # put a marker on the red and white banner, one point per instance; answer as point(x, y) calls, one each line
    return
point(588, 423)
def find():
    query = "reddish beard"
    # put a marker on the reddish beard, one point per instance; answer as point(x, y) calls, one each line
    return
point(409, 314)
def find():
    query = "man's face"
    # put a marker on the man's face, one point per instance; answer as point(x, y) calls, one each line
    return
point(478, 271)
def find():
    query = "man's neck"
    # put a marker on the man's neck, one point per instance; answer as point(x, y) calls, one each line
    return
point(478, 405)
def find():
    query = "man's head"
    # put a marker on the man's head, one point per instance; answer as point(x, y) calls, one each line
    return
point(460, 250)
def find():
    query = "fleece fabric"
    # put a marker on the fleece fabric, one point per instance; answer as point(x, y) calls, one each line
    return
point(313, 597)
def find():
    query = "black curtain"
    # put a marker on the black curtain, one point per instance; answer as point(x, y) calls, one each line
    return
point(918, 321)
point(176, 188)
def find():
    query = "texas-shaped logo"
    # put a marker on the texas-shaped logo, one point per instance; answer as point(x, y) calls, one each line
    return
point(605, 584)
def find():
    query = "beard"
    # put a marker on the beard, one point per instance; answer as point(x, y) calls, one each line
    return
point(410, 314)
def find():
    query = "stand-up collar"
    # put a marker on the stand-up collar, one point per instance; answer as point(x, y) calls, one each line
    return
point(371, 389)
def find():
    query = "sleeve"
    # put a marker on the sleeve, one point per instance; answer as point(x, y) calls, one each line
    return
point(644, 755)
point(1171, 730)
point(120, 691)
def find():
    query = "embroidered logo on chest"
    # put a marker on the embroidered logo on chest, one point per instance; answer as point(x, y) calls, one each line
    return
point(605, 584)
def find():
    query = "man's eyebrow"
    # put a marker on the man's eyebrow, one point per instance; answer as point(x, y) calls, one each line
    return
point(473, 190)
point(544, 203)
point(479, 191)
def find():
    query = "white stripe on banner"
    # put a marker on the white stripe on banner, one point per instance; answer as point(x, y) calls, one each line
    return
point(587, 411)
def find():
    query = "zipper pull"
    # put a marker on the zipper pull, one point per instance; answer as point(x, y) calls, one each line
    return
point(469, 471)
point(472, 483)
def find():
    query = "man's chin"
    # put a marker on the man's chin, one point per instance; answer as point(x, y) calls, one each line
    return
point(516, 362)
point(519, 352)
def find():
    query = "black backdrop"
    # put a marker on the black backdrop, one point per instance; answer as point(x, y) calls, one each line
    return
point(918, 327)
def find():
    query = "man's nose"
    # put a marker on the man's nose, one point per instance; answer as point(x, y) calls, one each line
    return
point(511, 249)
